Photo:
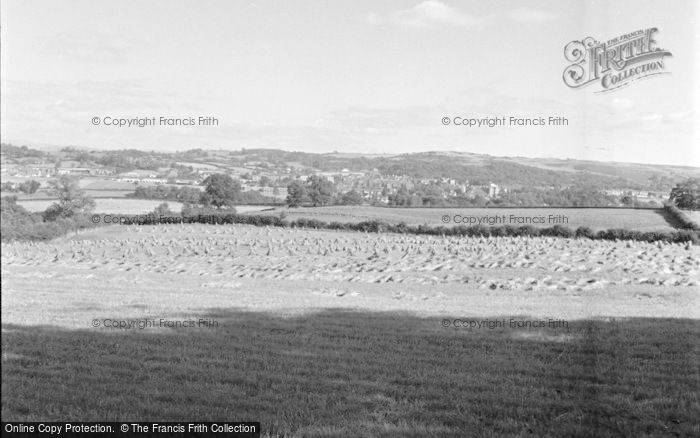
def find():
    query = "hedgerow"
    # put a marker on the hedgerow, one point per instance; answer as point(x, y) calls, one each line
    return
point(376, 226)
point(680, 217)
point(18, 224)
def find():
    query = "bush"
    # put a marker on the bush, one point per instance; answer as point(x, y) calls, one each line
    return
point(586, 232)
point(16, 223)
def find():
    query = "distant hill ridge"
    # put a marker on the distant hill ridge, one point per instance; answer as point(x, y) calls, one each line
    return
point(478, 169)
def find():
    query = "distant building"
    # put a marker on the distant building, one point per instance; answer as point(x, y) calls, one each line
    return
point(155, 181)
point(34, 170)
point(187, 182)
point(614, 192)
point(139, 173)
point(78, 171)
point(494, 190)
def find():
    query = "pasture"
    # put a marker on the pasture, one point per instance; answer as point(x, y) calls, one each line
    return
point(100, 184)
point(109, 205)
point(595, 218)
point(693, 215)
point(318, 333)
point(129, 205)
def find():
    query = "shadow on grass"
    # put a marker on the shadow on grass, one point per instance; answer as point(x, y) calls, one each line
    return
point(669, 218)
point(350, 373)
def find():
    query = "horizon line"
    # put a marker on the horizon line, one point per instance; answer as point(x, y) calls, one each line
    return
point(44, 146)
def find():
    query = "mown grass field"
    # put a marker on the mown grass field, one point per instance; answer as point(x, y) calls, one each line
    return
point(346, 373)
point(595, 218)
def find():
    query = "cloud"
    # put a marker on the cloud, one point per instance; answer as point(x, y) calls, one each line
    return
point(373, 18)
point(96, 47)
point(432, 13)
point(526, 15)
point(427, 14)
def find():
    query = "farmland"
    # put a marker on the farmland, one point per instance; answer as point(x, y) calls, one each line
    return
point(323, 333)
point(109, 205)
point(595, 218)
point(693, 215)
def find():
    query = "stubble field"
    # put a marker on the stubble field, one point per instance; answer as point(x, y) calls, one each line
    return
point(318, 333)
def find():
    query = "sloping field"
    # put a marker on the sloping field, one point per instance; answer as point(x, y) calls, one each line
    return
point(318, 333)
point(595, 218)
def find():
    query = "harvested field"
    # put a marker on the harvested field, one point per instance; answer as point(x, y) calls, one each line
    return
point(351, 334)
point(595, 218)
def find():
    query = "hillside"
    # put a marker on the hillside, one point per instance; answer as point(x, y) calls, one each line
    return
point(478, 169)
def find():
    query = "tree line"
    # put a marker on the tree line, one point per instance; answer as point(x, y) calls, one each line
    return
point(72, 211)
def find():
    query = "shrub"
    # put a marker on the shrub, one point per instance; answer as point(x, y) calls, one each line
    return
point(586, 232)
point(16, 223)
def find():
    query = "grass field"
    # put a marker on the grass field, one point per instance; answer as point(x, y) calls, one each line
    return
point(98, 184)
point(109, 205)
point(595, 218)
point(127, 205)
point(343, 373)
point(324, 333)
point(693, 215)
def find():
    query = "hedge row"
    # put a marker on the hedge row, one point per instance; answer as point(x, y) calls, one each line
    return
point(375, 226)
point(16, 223)
point(682, 219)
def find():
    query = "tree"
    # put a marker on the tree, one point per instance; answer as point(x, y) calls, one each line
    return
point(627, 201)
point(162, 210)
point(296, 193)
point(351, 198)
point(71, 199)
point(432, 195)
point(686, 195)
point(222, 190)
point(402, 197)
point(320, 190)
point(188, 194)
point(29, 187)
point(479, 201)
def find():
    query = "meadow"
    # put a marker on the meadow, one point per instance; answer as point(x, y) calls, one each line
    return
point(595, 218)
point(329, 333)
point(127, 205)
point(693, 215)
point(109, 205)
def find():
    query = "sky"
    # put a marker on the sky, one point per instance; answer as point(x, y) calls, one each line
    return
point(349, 76)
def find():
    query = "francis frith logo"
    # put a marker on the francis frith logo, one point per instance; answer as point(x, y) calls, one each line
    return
point(615, 63)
